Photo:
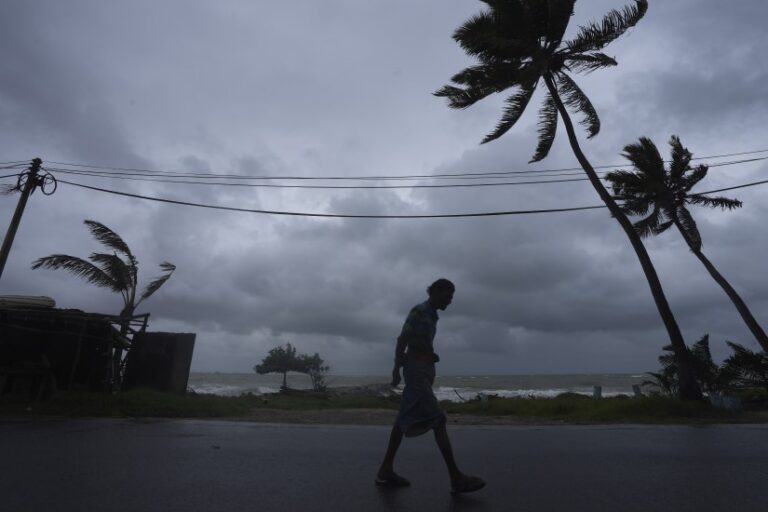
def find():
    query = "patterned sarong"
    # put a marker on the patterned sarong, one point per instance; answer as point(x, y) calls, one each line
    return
point(419, 410)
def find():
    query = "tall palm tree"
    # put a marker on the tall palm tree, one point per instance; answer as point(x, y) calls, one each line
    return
point(117, 271)
point(519, 44)
point(666, 193)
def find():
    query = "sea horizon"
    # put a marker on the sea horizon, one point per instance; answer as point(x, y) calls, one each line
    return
point(446, 387)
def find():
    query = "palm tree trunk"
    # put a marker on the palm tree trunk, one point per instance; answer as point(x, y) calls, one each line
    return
point(741, 306)
point(689, 388)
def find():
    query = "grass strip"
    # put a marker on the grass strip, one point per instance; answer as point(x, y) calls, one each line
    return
point(567, 407)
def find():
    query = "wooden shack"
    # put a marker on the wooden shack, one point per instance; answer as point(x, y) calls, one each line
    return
point(43, 348)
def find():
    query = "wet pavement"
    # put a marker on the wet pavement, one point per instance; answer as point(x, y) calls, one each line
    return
point(192, 465)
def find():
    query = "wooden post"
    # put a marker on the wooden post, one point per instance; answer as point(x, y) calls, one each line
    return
point(29, 186)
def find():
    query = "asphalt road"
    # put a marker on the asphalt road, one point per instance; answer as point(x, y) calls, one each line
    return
point(115, 465)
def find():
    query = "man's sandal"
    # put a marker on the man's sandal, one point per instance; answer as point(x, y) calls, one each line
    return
point(391, 480)
point(467, 484)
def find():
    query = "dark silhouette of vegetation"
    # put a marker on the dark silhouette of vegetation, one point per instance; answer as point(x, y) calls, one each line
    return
point(746, 368)
point(667, 193)
point(316, 369)
point(519, 43)
point(118, 271)
point(743, 369)
point(284, 360)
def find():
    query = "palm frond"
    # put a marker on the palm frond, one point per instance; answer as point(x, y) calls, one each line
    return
point(715, 202)
point(479, 82)
point(588, 62)
point(681, 159)
point(79, 267)
point(155, 285)
point(626, 184)
point(689, 180)
point(113, 266)
point(594, 36)
point(749, 368)
point(650, 225)
point(578, 102)
point(547, 128)
point(688, 226)
point(111, 239)
point(635, 206)
point(645, 158)
point(663, 226)
point(515, 107)
point(459, 97)
point(504, 30)
point(700, 349)
point(558, 15)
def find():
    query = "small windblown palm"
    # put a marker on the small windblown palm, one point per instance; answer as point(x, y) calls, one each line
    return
point(666, 192)
point(519, 42)
point(117, 271)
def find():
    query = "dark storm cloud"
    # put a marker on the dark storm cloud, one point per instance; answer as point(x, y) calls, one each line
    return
point(343, 88)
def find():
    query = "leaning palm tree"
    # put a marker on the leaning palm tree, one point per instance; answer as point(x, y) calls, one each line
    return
point(117, 271)
point(667, 193)
point(519, 44)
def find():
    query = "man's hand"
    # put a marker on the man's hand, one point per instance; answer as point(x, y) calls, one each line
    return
point(395, 377)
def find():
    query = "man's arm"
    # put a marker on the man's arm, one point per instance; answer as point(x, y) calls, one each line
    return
point(399, 359)
point(400, 351)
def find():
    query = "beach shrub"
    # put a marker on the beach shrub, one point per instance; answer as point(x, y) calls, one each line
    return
point(743, 369)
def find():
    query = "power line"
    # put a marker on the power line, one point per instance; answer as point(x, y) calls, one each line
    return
point(182, 174)
point(329, 215)
point(337, 187)
point(271, 185)
point(566, 172)
point(731, 188)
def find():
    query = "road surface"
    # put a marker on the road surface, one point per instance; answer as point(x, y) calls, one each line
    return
point(208, 466)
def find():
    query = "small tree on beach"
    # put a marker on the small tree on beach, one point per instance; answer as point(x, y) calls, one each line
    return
point(284, 360)
point(280, 360)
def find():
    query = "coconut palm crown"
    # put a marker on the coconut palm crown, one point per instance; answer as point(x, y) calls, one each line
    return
point(520, 42)
point(117, 271)
point(665, 192)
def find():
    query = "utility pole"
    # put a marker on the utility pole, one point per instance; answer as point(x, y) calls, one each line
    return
point(29, 186)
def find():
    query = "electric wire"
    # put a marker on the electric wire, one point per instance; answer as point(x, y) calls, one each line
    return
point(327, 215)
point(382, 177)
point(347, 187)
point(338, 187)
point(344, 216)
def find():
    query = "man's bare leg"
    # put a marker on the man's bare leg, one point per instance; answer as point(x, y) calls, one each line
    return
point(444, 443)
point(395, 438)
point(460, 482)
point(387, 475)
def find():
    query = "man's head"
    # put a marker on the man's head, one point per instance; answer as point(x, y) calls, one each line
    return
point(441, 293)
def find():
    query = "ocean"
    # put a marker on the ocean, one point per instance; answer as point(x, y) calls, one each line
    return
point(447, 387)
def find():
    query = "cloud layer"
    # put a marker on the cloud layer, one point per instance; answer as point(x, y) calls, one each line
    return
point(343, 88)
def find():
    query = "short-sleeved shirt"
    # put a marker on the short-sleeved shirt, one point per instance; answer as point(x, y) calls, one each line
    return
point(420, 327)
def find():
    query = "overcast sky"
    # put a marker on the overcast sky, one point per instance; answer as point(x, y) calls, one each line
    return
point(343, 88)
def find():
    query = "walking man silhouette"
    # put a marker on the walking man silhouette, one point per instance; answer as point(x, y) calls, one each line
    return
point(419, 410)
